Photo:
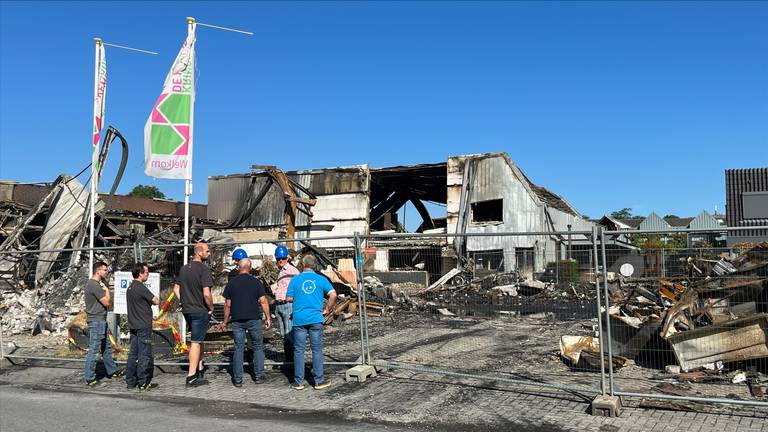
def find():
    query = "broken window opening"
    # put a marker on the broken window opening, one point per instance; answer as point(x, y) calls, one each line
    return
point(488, 211)
point(489, 260)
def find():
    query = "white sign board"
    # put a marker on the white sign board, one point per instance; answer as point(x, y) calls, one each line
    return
point(123, 280)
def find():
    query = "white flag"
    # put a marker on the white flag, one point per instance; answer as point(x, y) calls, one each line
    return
point(168, 131)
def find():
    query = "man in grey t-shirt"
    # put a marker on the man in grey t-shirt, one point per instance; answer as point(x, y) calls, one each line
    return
point(97, 298)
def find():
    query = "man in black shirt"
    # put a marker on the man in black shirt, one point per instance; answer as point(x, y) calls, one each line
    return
point(139, 299)
point(245, 305)
point(193, 288)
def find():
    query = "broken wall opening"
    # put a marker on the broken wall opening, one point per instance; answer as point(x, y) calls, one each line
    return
point(394, 187)
point(488, 211)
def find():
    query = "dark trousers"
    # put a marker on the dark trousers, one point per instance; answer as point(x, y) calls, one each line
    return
point(141, 363)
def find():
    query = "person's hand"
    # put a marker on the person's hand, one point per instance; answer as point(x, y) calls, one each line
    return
point(325, 311)
point(268, 323)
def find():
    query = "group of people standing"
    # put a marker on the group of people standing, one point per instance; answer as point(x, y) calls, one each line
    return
point(299, 312)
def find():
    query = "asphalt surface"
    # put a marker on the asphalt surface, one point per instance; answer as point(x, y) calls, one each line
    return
point(23, 409)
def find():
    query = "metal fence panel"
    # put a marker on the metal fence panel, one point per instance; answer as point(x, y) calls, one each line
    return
point(693, 326)
point(525, 315)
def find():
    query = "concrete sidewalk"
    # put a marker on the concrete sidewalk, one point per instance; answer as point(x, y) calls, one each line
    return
point(410, 399)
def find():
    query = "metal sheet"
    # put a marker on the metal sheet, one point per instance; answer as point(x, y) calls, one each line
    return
point(703, 221)
point(654, 222)
point(736, 340)
point(65, 216)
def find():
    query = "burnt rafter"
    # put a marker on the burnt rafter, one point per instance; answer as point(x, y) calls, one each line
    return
point(290, 190)
point(424, 213)
point(391, 204)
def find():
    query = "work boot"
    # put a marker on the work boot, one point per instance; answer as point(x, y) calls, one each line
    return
point(322, 385)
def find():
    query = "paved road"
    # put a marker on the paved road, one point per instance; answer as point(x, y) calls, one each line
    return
point(42, 410)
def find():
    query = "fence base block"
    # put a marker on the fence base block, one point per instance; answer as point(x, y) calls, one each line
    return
point(606, 406)
point(360, 373)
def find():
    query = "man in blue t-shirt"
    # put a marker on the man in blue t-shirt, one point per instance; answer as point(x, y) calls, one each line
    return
point(306, 292)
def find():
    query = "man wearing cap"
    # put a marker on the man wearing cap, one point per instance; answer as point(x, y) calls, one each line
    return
point(283, 309)
point(306, 292)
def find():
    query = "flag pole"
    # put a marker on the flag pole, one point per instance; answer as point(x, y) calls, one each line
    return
point(94, 157)
point(188, 181)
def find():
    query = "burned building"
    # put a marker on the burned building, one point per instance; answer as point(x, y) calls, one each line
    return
point(484, 193)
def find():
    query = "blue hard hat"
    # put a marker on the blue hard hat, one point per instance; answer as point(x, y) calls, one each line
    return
point(281, 252)
point(239, 254)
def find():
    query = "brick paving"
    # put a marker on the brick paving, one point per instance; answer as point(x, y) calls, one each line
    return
point(416, 399)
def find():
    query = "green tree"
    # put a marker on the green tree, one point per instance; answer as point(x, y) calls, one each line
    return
point(672, 216)
point(625, 213)
point(660, 241)
point(145, 191)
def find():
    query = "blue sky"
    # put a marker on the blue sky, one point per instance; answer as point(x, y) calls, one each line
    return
point(610, 104)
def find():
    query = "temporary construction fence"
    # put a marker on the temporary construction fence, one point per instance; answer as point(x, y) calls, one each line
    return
point(694, 329)
point(578, 310)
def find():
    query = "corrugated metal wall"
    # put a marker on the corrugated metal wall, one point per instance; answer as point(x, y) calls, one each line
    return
point(704, 221)
point(654, 222)
point(736, 182)
point(342, 200)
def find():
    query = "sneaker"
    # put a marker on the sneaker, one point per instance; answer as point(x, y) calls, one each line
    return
point(148, 387)
point(259, 379)
point(237, 384)
point(298, 386)
point(92, 383)
point(118, 373)
point(201, 372)
point(322, 385)
point(132, 386)
point(195, 381)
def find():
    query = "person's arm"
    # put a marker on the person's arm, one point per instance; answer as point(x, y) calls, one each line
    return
point(289, 292)
point(227, 307)
point(265, 309)
point(331, 302)
point(107, 296)
point(208, 298)
point(176, 291)
point(155, 300)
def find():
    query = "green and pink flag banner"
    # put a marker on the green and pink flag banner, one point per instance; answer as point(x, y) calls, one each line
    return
point(168, 131)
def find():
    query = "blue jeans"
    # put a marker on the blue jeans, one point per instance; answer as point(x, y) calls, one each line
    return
point(141, 364)
point(300, 344)
point(255, 329)
point(98, 342)
point(284, 318)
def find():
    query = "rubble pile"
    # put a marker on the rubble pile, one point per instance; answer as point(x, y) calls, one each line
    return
point(713, 318)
